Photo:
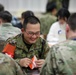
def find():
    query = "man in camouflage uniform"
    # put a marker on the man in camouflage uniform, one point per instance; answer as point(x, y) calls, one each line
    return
point(29, 44)
point(6, 28)
point(8, 66)
point(61, 59)
point(48, 18)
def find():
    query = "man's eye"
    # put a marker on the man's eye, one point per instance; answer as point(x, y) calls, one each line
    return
point(31, 33)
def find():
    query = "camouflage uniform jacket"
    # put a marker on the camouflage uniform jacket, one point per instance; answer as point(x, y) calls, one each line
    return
point(61, 59)
point(36, 48)
point(46, 21)
point(8, 66)
point(7, 30)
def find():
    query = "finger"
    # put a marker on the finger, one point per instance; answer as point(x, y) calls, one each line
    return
point(39, 62)
point(29, 60)
point(39, 66)
point(26, 65)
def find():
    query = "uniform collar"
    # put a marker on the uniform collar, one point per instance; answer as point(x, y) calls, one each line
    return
point(73, 38)
point(6, 24)
point(21, 44)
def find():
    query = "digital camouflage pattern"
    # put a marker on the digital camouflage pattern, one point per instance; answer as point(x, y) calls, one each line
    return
point(46, 21)
point(8, 66)
point(61, 59)
point(8, 30)
point(36, 49)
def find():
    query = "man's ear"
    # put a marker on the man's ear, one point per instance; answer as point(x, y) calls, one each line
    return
point(22, 29)
point(67, 28)
point(1, 21)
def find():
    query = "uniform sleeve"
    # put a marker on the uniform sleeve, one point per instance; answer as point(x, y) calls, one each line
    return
point(10, 48)
point(16, 67)
point(8, 66)
point(50, 66)
point(47, 67)
point(18, 70)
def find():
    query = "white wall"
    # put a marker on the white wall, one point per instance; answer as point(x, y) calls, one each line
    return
point(72, 6)
point(17, 6)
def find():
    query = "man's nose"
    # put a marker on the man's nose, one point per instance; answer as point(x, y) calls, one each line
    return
point(34, 36)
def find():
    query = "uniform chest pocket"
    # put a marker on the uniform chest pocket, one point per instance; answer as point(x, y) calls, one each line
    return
point(33, 52)
point(20, 53)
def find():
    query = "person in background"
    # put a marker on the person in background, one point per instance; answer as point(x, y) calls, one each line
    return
point(48, 18)
point(6, 28)
point(8, 66)
point(57, 30)
point(25, 14)
point(65, 4)
point(1, 7)
point(14, 20)
point(61, 59)
point(29, 44)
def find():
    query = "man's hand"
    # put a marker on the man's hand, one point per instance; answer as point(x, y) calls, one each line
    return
point(25, 62)
point(39, 63)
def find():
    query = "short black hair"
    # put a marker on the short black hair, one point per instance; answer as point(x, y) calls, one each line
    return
point(72, 22)
point(31, 20)
point(50, 6)
point(6, 16)
point(27, 14)
point(1, 7)
point(62, 13)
